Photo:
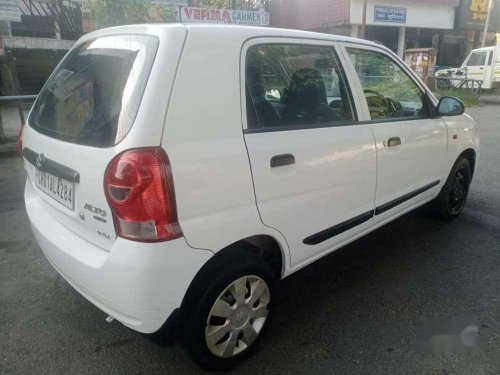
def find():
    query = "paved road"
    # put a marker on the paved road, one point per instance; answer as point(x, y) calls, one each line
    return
point(354, 312)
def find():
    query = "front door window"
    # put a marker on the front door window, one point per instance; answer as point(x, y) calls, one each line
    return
point(390, 93)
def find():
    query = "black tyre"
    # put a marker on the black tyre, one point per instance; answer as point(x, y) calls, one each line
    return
point(227, 309)
point(451, 200)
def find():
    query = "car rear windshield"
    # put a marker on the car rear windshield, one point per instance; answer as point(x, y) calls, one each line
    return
point(93, 96)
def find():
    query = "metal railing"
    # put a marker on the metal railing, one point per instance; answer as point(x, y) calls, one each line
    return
point(22, 102)
point(473, 86)
point(66, 16)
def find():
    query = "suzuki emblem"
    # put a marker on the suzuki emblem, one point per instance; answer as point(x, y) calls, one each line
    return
point(39, 161)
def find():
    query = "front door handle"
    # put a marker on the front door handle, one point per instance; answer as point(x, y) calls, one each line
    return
point(282, 160)
point(394, 141)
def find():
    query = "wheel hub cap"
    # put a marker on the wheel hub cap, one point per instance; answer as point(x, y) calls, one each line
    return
point(240, 316)
point(237, 316)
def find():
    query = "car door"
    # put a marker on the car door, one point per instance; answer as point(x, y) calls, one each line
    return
point(489, 70)
point(411, 145)
point(313, 163)
point(477, 66)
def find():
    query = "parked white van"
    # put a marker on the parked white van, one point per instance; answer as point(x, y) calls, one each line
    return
point(482, 64)
point(176, 172)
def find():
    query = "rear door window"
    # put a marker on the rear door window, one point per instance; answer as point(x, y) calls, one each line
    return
point(94, 95)
point(295, 85)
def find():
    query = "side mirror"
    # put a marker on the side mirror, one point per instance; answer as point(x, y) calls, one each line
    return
point(450, 106)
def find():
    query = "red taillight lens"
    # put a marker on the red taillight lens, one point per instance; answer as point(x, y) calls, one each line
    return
point(20, 141)
point(140, 191)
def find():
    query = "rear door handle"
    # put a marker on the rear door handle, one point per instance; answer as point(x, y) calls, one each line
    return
point(394, 141)
point(282, 160)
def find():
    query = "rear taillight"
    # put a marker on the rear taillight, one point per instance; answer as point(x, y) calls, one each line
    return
point(140, 191)
point(20, 141)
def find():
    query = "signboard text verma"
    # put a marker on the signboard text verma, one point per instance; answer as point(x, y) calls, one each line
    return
point(242, 17)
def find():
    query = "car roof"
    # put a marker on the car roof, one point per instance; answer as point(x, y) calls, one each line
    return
point(244, 32)
point(483, 49)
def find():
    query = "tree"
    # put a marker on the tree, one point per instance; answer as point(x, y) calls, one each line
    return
point(119, 12)
point(232, 4)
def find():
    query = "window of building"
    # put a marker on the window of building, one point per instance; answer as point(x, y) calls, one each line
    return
point(290, 85)
point(390, 93)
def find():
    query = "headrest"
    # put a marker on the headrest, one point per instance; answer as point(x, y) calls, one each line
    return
point(307, 87)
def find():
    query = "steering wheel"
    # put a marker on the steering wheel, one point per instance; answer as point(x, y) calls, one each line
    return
point(378, 103)
point(394, 106)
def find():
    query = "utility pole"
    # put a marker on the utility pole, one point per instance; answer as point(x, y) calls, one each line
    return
point(487, 23)
point(363, 22)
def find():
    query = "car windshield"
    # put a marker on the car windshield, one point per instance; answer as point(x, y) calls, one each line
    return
point(93, 96)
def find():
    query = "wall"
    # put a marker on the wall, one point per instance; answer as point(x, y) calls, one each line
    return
point(309, 14)
point(18, 42)
point(436, 14)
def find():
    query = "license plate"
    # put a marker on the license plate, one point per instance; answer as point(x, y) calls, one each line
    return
point(58, 188)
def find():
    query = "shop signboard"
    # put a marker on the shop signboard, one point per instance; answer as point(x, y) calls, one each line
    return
point(472, 15)
point(240, 17)
point(384, 13)
point(9, 11)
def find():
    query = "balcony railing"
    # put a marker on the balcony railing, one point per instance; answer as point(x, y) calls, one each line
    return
point(49, 19)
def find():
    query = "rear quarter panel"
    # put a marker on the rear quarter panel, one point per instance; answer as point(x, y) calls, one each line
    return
point(204, 141)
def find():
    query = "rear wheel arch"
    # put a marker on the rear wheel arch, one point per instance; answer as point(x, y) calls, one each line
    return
point(265, 247)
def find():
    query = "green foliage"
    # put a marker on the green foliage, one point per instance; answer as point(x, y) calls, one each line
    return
point(469, 99)
point(122, 12)
point(399, 88)
point(164, 13)
point(119, 12)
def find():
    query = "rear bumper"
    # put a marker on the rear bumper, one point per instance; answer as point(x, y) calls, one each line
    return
point(138, 284)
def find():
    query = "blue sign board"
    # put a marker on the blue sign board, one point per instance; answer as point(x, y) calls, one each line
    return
point(389, 14)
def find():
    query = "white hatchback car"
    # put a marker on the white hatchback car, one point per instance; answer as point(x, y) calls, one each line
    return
point(176, 172)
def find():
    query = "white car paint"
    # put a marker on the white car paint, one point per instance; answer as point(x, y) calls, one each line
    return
point(194, 107)
point(422, 150)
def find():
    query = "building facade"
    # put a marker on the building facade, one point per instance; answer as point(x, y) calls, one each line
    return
point(398, 24)
point(33, 39)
